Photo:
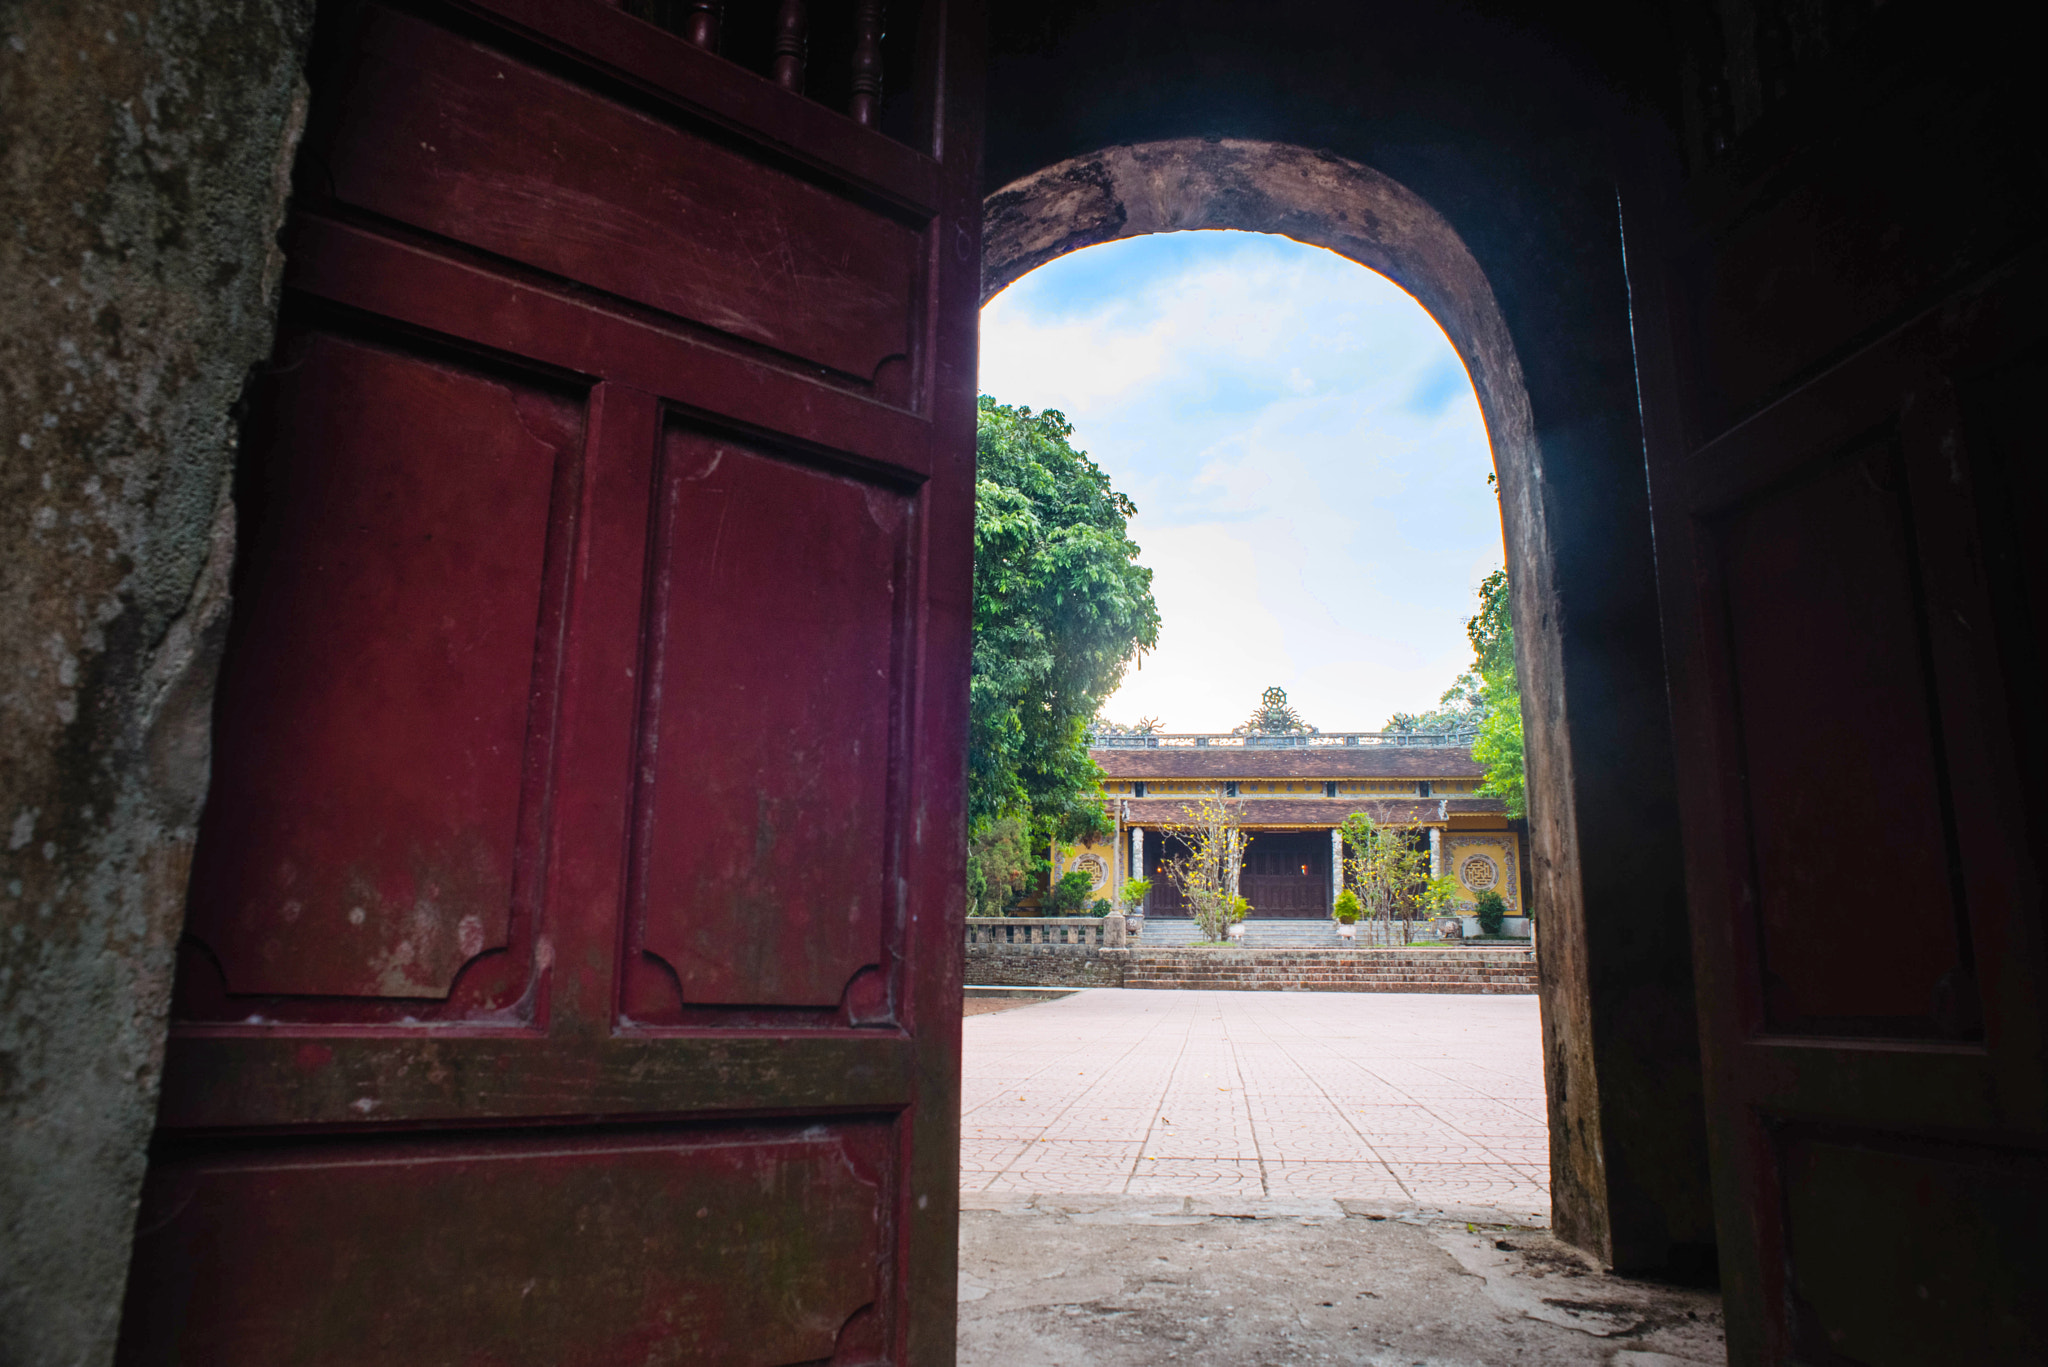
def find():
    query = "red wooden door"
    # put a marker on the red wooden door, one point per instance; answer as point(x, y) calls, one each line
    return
point(1287, 874)
point(1855, 600)
point(572, 960)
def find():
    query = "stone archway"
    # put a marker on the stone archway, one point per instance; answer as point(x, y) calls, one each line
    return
point(1315, 197)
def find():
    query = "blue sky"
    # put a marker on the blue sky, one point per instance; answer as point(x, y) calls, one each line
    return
point(1306, 455)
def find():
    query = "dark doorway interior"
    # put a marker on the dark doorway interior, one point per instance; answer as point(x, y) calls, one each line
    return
point(1287, 874)
point(1165, 899)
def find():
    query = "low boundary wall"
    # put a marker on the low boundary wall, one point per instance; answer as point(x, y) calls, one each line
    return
point(1045, 965)
point(1254, 970)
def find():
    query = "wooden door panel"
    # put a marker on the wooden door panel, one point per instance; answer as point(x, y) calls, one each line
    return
point(459, 300)
point(662, 66)
point(1842, 593)
point(1818, 263)
point(363, 837)
point(468, 143)
point(1286, 895)
point(1963, 1237)
point(602, 635)
point(776, 641)
point(1854, 862)
point(761, 1247)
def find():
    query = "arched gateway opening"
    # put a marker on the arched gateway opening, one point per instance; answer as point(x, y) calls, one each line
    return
point(1318, 198)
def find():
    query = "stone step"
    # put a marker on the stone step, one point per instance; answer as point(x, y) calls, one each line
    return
point(1166, 933)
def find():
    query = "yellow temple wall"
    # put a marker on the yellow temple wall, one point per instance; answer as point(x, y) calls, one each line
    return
point(1484, 859)
point(1098, 859)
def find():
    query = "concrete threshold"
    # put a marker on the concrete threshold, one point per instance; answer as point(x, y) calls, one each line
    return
point(1222, 1282)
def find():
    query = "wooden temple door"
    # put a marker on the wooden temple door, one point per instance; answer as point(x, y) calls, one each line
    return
point(1287, 874)
point(1846, 469)
point(573, 949)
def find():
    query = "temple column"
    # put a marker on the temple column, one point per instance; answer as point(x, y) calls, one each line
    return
point(1138, 856)
point(1436, 852)
point(1336, 866)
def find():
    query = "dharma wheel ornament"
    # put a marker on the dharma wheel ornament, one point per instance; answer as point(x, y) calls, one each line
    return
point(1274, 717)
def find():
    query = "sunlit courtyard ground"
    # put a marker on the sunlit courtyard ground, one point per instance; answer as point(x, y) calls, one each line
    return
point(1425, 1102)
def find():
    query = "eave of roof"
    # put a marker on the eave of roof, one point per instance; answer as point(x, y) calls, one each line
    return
point(1311, 762)
point(1313, 811)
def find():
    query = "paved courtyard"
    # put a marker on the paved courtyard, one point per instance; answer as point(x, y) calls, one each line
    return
point(1409, 1100)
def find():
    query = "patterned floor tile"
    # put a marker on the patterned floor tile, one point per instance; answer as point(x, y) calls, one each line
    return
point(1255, 1094)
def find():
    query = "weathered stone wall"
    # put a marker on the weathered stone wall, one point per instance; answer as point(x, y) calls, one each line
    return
point(1268, 970)
point(144, 158)
point(1045, 966)
point(1322, 970)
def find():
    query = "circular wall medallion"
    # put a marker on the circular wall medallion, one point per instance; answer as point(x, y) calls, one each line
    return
point(1092, 865)
point(1479, 873)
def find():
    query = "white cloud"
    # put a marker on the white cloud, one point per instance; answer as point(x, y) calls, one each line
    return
point(1308, 462)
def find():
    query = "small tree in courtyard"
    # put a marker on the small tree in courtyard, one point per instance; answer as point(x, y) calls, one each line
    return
point(1384, 866)
point(1207, 875)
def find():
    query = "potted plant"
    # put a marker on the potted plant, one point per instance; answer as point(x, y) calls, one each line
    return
point(1135, 891)
point(1240, 908)
point(1347, 912)
point(1492, 911)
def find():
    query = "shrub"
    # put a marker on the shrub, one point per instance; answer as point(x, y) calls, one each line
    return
point(1347, 909)
point(1492, 909)
point(1101, 907)
point(1070, 894)
point(1440, 895)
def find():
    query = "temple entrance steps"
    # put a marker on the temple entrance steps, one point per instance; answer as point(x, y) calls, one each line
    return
point(1331, 970)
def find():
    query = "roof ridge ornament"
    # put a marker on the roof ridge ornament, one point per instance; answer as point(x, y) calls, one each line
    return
point(1274, 725)
point(1273, 717)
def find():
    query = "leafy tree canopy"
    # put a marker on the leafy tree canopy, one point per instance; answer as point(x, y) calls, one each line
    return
point(1061, 608)
point(1499, 744)
point(1492, 629)
point(1462, 708)
point(1485, 699)
point(1498, 747)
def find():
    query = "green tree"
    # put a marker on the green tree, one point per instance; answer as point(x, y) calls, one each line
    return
point(1462, 708)
point(1385, 865)
point(1498, 747)
point(1061, 608)
point(1070, 894)
point(1212, 834)
point(997, 863)
point(1492, 630)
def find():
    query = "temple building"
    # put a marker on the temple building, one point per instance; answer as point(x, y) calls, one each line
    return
point(1290, 788)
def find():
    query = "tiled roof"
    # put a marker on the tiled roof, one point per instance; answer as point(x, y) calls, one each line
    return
point(1321, 761)
point(1313, 811)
